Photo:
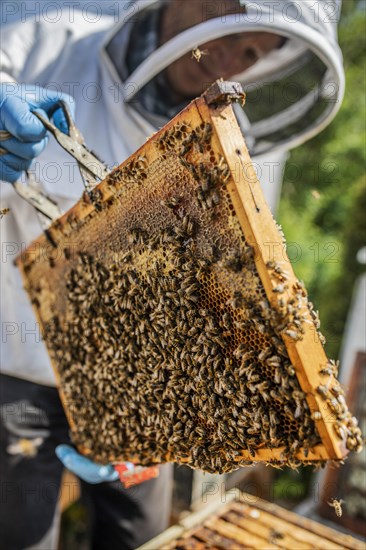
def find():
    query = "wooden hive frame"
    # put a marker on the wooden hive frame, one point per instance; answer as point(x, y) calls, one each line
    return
point(261, 233)
point(240, 520)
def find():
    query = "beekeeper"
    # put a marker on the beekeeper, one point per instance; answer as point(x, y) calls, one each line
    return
point(124, 76)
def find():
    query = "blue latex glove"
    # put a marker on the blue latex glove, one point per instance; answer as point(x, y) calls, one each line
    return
point(29, 135)
point(86, 469)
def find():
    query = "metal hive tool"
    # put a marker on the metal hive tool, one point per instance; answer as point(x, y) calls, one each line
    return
point(175, 324)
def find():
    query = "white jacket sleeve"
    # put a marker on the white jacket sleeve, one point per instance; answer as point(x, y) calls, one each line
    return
point(30, 48)
point(17, 41)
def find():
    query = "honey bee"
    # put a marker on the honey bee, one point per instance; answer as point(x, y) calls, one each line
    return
point(341, 430)
point(215, 198)
point(273, 361)
point(337, 505)
point(290, 370)
point(300, 287)
point(207, 132)
point(280, 288)
point(293, 334)
point(299, 409)
point(197, 54)
point(353, 422)
point(278, 272)
point(275, 464)
point(3, 212)
point(335, 406)
point(316, 322)
point(189, 166)
point(25, 447)
point(172, 202)
point(293, 464)
point(277, 376)
point(331, 368)
point(337, 391)
point(201, 432)
point(264, 354)
point(226, 174)
point(294, 446)
point(323, 391)
point(275, 535)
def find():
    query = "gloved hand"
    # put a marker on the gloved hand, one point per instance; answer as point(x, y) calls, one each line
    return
point(29, 135)
point(86, 469)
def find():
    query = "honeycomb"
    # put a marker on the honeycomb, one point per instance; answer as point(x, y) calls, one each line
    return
point(158, 325)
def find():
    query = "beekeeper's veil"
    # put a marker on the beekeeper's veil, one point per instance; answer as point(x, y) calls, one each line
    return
point(293, 92)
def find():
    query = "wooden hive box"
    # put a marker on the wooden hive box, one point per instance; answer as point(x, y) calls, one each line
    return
point(241, 520)
point(175, 324)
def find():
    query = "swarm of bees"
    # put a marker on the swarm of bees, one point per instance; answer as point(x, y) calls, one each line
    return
point(344, 424)
point(147, 362)
point(166, 346)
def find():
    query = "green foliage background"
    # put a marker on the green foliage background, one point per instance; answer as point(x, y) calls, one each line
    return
point(322, 210)
point(323, 202)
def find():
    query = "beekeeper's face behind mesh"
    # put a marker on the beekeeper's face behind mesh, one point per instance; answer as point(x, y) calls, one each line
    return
point(224, 57)
point(283, 52)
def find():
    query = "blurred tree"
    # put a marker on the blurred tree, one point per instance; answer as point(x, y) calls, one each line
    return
point(323, 206)
point(324, 193)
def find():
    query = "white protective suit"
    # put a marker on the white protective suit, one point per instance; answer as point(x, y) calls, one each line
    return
point(69, 54)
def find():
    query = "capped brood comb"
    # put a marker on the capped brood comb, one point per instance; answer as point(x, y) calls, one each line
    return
point(172, 316)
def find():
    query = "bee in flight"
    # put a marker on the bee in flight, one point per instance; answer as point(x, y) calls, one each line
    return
point(3, 212)
point(197, 54)
point(337, 505)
